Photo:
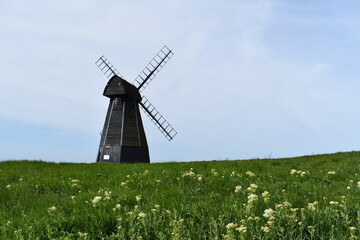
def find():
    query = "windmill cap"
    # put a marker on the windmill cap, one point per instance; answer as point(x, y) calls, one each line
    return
point(118, 86)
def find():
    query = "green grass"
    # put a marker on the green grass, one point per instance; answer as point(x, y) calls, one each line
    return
point(196, 200)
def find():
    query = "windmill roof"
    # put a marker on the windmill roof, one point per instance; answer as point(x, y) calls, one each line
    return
point(118, 86)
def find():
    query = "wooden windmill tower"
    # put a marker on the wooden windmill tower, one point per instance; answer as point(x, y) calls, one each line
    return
point(123, 137)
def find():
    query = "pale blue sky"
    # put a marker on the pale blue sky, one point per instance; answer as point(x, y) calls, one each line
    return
point(248, 79)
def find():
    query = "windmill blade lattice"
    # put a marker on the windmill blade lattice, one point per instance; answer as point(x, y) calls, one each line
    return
point(154, 66)
point(159, 121)
point(106, 67)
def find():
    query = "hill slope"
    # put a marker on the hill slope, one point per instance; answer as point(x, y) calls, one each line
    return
point(310, 197)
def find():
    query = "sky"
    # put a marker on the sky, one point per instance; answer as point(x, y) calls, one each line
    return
point(248, 79)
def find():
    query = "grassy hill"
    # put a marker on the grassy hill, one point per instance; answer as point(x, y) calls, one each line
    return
point(309, 197)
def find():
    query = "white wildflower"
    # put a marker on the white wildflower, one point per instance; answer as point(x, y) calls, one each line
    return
point(250, 174)
point(265, 229)
point(189, 174)
point(200, 179)
point(138, 198)
point(252, 188)
point(268, 213)
point(231, 225)
point(311, 229)
point(142, 215)
point(293, 171)
point(237, 189)
point(312, 206)
point(252, 198)
point(8, 186)
point(266, 196)
point(123, 184)
point(242, 229)
point(96, 200)
point(51, 209)
point(333, 203)
point(331, 172)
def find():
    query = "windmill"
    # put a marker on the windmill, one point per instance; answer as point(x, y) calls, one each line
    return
point(123, 137)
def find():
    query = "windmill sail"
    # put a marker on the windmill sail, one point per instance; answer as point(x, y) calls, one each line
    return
point(159, 121)
point(154, 66)
point(106, 67)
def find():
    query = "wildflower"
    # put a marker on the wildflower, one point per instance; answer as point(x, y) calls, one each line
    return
point(352, 229)
point(293, 171)
point(52, 209)
point(72, 197)
point(256, 219)
point(200, 179)
point(333, 203)
point(331, 172)
point(8, 186)
point(81, 234)
point(237, 189)
point(118, 206)
point(252, 188)
point(138, 198)
point(348, 188)
point(242, 229)
point(158, 181)
point(230, 225)
point(20, 179)
point(266, 196)
point(312, 206)
point(153, 210)
point(252, 198)
point(250, 174)
point(311, 229)
point(123, 184)
point(157, 206)
point(358, 183)
point(142, 215)
point(74, 185)
point(189, 174)
point(265, 229)
point(74, 181)
point(96, 200)
point(283, 205)
point(268, 213)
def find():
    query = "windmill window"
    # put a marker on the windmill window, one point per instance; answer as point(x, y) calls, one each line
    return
point(106, 157)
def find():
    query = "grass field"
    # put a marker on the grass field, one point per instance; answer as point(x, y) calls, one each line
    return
point(310, 197)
